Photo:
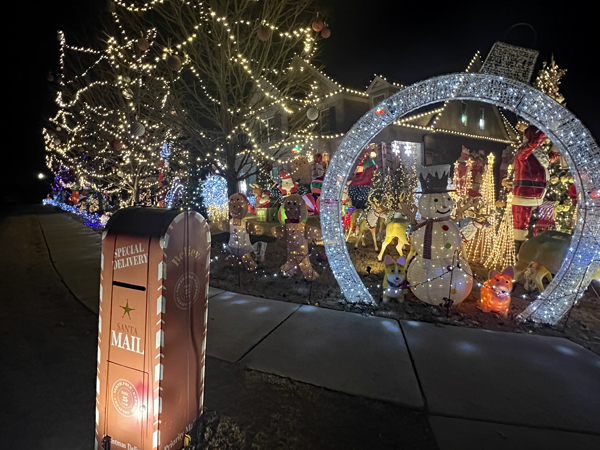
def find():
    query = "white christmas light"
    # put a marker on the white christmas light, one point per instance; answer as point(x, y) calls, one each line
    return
point(573, 140)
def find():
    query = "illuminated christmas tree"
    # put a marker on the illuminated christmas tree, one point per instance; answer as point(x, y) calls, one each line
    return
point(503, 253)
point(244, 96)
point(549, 78)
point(212, 194)
point(114, 114)
point(462, 183)
point(224, 82)
point(481, 245)
point(392, 188)
point(558, 210)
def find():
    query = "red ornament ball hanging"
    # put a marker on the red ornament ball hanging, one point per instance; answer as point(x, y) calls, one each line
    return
point(317, 25)
point(174, 63)
point(594, 193)
point(116, 144)
point(50, 77)
point(264, 33)
point(143, 44)
point(325, 33)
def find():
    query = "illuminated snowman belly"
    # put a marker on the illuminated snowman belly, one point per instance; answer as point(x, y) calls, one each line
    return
point(445, 239)
point(442, 279)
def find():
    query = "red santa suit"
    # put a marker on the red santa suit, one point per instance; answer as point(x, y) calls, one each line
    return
point(529, 186)
point(287, 185)
point(317, 174)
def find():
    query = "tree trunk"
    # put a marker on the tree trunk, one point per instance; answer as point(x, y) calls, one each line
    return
point(232, 187)
point(231, 174)
point(134, 192)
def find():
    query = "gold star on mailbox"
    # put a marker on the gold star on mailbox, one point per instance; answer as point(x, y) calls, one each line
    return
point(127, 309)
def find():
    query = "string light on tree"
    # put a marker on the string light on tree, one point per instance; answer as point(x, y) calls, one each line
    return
point(214, 198)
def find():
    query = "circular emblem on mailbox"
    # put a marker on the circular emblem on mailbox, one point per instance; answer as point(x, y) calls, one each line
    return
point(125, 397)
point(187, 290)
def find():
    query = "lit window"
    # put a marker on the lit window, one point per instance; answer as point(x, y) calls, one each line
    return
point(463, 116)
point(481, 119)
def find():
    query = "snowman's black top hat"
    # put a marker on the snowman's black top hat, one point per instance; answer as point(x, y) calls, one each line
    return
point(434, 179)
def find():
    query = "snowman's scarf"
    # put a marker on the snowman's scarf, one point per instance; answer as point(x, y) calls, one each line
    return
point(429, 234)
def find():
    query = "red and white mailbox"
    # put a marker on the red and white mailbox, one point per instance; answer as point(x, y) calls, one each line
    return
point(152, 328)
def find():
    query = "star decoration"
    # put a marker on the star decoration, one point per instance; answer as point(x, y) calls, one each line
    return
point(127, 309)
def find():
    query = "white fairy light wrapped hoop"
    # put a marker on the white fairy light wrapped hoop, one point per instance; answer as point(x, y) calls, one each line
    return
point(573, 140)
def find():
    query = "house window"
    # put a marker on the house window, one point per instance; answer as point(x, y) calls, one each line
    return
point(378, 99)
point(481, 119)
point(269, 132)
point(463, 115)
point(271, 128)
point(327, 117)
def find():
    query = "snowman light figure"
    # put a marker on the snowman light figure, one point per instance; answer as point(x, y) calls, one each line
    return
point(437, 272)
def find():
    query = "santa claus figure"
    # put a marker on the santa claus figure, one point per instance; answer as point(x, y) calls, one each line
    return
point(287, 185)
point(317, 174)
point(529, 185)
point(359, 186)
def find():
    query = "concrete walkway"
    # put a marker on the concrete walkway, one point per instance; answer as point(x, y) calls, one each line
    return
point(480, 389)
point(75, 252)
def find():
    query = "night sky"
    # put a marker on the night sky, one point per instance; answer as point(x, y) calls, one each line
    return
point(403, 41)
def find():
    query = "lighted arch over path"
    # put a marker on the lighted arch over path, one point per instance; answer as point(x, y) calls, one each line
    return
point(572, 139)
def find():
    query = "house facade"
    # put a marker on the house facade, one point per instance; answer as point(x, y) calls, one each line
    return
point(432, 135)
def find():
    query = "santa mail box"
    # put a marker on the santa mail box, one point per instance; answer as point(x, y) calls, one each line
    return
point(152, 328)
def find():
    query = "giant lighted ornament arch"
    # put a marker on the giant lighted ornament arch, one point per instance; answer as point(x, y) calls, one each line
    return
point(572, 139)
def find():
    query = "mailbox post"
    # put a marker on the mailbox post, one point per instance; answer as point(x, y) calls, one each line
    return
point(152, 328)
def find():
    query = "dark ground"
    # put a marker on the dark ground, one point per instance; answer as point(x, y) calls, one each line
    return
point(48, 342)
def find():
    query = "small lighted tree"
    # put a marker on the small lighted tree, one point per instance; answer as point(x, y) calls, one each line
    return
point(503, 253)
point(481, 245)
point(462, 186)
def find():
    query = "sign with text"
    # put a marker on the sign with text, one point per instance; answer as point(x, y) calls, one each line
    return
point(152, 328)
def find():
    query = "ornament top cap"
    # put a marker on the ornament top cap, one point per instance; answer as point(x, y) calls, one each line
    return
point(434, 179)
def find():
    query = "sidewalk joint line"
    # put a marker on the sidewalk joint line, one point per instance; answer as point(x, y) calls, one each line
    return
point(268, 334)
point(414, 366)
point(58, 273)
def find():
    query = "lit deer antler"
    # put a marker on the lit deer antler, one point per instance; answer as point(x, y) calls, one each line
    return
point(375, 204)
point(410, 211)
point(462, 207)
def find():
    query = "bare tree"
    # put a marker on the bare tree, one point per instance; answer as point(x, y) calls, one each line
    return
point(224, 82)
point(113, 114)
point(242, 92)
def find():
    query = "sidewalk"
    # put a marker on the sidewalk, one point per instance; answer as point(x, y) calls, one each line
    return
point(480, 389)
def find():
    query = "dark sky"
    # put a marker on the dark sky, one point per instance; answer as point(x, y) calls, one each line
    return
point(403, 41)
